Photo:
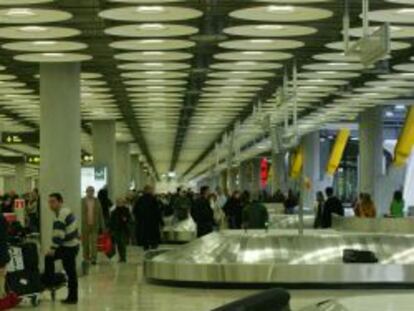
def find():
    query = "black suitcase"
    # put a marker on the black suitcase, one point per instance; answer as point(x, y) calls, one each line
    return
point(358, 256)
point(23, 276)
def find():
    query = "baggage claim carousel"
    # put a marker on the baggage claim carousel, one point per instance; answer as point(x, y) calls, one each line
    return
point(292, 258)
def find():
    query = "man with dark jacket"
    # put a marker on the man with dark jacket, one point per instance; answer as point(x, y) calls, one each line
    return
point(332, 206)
point(202, 213)
point(148, 220)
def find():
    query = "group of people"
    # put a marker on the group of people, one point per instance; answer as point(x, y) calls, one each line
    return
point(215, 211)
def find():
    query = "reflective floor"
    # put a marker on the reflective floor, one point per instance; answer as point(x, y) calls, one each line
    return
point(113, 286)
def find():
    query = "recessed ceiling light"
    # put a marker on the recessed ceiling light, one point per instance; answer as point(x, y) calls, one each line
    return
point(152, 26)
point(20, 12)
point(269, 27)
point(278, 8)
point(33, 28)
point(150, 9)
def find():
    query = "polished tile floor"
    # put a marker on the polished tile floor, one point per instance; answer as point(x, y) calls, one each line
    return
point(112, 286)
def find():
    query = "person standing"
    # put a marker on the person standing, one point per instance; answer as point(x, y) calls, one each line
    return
point(181, 206)
point(366, 208)
point(106, 203)
point(332, 206)
point(148, 220)
point(33, 211)
point(290, 203)
point(65, 247)
point(202, 213)
point(234, 211)
point(219, 216)
point(92, 223)
point(397, 205)
point(319, 206)
point(255, 214)
point(120, 224)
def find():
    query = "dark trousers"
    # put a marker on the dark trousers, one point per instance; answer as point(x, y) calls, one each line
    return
point(68, 257)
point(121, 241)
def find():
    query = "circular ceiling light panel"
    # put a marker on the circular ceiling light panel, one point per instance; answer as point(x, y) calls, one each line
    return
point(372, 95)
point(45, 46)
point(22, 2)
point(233, 94)
point(150, 13)
point(52, 57)
point(152, 44)
point(241, 74)
point(154, 75)
point(261, 44)
point(270, 30)
point(236, 82)
point(281, 13)
point(151, 30)
point(32, 16)
point(155, 88)
point(390, 83)
point(334, 66)
point(253, 55)
point(398, 76)
point(4, 77)
point(390, 90)
point(409, 2)
point(13, 91)
point(11, 84)
point(154, 66)
point(91, 75)
point(246, 66)
point(149, 56)
point(409, 67)
point(85, 96)
point(395, 45)
point(322, 82)
point(396, 32)
point(37, 32)
point(397, 16)
point(337, 57)
point(328, 75)
point(155, 82)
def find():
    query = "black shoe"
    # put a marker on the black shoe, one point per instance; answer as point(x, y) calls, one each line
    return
point(68, 301)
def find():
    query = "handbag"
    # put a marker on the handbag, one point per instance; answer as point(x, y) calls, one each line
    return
point(105, 245)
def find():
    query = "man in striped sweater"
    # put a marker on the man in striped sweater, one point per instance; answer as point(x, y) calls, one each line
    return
point(65, 246)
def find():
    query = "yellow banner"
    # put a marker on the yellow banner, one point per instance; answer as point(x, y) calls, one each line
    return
point(405, 141)
point(338, 151)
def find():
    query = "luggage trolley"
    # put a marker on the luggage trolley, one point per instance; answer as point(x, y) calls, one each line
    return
point(23, 276)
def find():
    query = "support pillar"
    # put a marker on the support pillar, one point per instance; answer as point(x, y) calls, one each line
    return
point(256, 189)
point(60, 140)
point(311, 169)
point(9, 183)
point(371, 151)
point(20, 173)
point(123, 169)
point(279, 173)
point(136, 171)
point(104, 149)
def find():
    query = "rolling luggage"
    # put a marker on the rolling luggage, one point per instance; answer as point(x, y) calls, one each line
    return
point(23, 275)
point(358, 256)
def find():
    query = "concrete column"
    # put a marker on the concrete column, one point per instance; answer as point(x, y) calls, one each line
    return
point(311, 169)
point(20, 173)
point(123, 169)
point(371, 151)
point(255, 186)
point(279, 172)
point(9, 183)
point(136, 171)
point(104, 149)
point(60, 136)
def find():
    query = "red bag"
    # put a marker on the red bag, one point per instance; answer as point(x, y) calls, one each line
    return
point(105, 245)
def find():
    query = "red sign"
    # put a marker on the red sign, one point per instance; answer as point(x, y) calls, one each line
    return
point(264, 172)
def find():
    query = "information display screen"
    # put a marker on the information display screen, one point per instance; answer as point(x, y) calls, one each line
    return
point(95, 176)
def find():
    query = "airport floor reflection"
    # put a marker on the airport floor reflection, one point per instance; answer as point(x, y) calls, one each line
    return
point(113, 286)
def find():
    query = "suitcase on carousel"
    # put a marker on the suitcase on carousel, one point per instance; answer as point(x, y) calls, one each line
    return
point(23, 276)
point(358, 256)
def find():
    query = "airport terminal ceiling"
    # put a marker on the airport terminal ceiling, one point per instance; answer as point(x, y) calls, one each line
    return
point(178, 76)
